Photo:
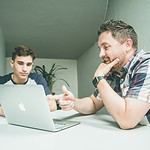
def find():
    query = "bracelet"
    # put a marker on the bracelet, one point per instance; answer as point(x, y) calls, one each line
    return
point(96, 80)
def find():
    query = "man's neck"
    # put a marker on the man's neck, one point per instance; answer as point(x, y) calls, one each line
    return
point(128, 58)
point(130, 55)
point(18, 81)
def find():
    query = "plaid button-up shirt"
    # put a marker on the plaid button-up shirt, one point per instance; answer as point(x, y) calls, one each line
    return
point(133, 80)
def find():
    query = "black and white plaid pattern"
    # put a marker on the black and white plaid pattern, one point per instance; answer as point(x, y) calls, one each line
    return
point(133, 80)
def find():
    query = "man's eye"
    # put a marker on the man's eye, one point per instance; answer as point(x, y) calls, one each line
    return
point(29, 64)
point(20, 63)
point(106, 47)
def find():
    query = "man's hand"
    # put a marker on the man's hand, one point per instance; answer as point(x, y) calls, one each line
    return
point(52, 101)
point(103, 69)
point(68, 99)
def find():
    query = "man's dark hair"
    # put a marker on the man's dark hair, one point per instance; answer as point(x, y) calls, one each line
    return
point(120, 31)
point(22, 51)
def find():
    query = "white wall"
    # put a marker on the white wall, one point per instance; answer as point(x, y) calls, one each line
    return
point(70, 75)
point(2, 54)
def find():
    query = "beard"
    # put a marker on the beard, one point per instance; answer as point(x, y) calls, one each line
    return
point(107, 60)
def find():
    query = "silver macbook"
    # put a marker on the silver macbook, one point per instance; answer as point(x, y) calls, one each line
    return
point(27, 106)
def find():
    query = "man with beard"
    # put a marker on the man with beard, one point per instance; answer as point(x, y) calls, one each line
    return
point(121, 81)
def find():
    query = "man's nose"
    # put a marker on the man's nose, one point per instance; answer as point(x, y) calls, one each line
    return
point(101, 53)
point(24, 67)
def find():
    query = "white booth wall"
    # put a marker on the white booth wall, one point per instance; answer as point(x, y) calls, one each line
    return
point(70, 74)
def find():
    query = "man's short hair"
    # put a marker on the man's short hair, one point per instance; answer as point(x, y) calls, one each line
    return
point(22, 50)
point(119, 30)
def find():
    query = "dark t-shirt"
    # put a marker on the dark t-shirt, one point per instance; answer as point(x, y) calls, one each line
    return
point(33, 79)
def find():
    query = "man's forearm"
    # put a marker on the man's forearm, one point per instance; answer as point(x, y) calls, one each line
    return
point(79, 105)
point(112, 101)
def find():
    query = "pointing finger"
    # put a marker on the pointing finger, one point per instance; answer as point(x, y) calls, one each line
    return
point(65, 90)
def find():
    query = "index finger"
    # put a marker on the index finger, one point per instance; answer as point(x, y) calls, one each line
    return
point(114, 62)
point(65, 90)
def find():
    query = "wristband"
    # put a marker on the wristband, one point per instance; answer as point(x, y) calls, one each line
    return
point(96, 80)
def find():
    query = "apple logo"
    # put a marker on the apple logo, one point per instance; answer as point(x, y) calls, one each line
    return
point(21, 106)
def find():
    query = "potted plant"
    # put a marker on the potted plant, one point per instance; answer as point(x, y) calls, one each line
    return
point(50, 76)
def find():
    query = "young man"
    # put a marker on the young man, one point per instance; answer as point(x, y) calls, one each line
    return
point(21, 63)
point(122, 80)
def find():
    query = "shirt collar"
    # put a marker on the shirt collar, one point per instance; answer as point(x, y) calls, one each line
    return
point(15, 82)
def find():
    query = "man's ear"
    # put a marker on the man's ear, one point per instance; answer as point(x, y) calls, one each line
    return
point(129, 44)
point(11, 62)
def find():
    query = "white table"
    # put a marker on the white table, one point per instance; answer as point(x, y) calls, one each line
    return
point(96, 132)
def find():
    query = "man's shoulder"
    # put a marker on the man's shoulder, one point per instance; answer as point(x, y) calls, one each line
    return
point(141, 58)
point(39, 79)
point(35, 76)
point(140, 63)
point(144, 59)
point(143, 55)
point(5, 78)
